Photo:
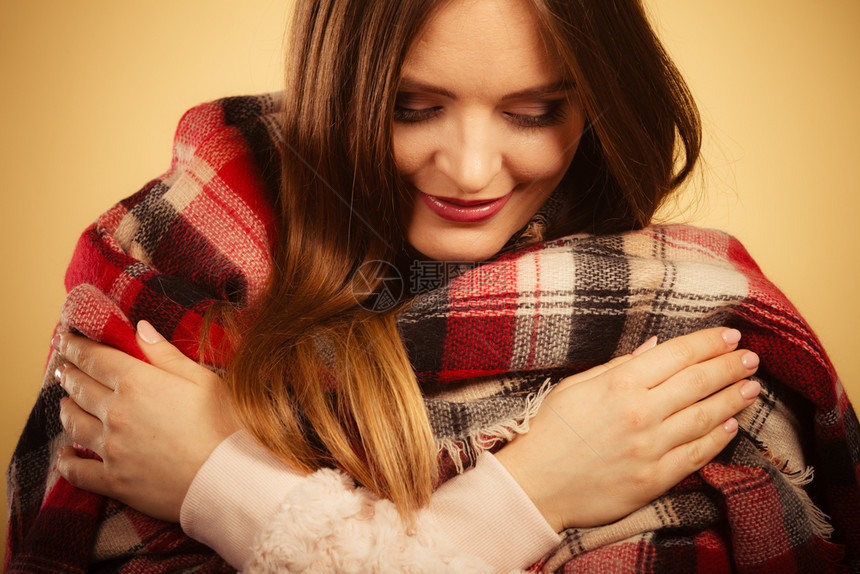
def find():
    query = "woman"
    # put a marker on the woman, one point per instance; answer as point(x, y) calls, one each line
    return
point(307, 317)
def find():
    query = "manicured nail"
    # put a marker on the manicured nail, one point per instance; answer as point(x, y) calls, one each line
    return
point(58, 372)
point(750, 360)
point(750, 390)
point(731, 336)
point(646, 346)
point(730, 425)
point(55, 342)
point(148, 333)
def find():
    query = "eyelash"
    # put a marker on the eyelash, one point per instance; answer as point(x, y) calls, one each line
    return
point(555, 116)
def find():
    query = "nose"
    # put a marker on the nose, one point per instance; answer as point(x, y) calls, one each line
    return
point(471, 158)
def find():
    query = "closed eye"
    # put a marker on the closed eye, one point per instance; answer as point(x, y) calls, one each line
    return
point(412, 116)
point(552, 113)
point(411, 107)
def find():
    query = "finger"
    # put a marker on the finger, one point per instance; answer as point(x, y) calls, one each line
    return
point(101, 362)
point(703, 379)
point(698, 420)
point(162, 354)
point(85, 391)
point(668, 358)
point(592, 372)
point(616, 361)
point(81, 426)
point(689, 457)
point(646, 346)
point(83, 473)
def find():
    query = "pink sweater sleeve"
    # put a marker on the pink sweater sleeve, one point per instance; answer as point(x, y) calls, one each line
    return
point(262, 516)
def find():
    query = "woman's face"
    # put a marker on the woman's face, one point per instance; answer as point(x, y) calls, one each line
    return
point(484, 129)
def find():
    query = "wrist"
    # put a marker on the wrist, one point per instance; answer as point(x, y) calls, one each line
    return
point(509, 459)
point(233, 496)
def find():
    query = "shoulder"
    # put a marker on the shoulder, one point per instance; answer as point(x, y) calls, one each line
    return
point(229, 126)
point(209, 220)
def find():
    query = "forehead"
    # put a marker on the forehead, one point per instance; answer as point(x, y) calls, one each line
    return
point(481, 45)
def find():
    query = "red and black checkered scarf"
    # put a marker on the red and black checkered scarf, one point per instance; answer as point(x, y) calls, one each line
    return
point(482, 345)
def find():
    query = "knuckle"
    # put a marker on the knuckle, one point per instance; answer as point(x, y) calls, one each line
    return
point(112, 450)
point(68, 424)
point(69, 380)
point(701, 419)
point(69, 472)
point(67, 347)
point(71, 427)
point(81, 358)
point(698, 378)
point(115, 418)
point(697, 455)
point(733, 369)
point(634, 418)
point(644, 480)
point(67, 421)
point(638, 449)
point(682, 351)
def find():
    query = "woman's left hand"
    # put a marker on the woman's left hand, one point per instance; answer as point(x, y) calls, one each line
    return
point(153, 425)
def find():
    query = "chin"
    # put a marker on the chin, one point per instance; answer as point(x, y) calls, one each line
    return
point(456, 248)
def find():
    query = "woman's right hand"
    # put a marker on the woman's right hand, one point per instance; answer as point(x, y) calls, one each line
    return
point(609, 440)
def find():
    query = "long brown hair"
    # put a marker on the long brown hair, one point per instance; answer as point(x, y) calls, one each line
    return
point(316, 377)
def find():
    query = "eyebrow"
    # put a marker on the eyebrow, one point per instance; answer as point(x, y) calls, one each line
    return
point(410, 85)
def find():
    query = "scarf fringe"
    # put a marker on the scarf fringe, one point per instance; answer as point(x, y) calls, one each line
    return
point(468, 448)
point(798, 479)
point(818, 519)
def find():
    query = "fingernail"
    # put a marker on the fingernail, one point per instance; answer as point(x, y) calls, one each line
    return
point(750, 360)
point(58, 372)
point(750, 390)
point(730, 425)
point(731, 336)
point(646, 346)
point(55, 342)
point(148, 333)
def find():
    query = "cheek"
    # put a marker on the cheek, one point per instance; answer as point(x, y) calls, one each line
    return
point(544, 160)
point(545, 155)
point(411, 151)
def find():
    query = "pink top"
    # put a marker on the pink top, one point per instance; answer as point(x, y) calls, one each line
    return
point(481, 513)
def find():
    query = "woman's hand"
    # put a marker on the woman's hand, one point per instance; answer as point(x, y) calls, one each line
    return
point(153, 425)
point(608, 441)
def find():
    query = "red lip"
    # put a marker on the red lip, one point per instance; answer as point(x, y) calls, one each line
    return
point(462, 210)
point(466, 202)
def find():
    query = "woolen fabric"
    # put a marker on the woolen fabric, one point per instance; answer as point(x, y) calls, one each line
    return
point(486, 346)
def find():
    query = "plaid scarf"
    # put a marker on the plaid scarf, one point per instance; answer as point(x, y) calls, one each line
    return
point(486, 346)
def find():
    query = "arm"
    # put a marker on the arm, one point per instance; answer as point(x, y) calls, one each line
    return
point(244, 488)
point(662, 416)
point(249, 506)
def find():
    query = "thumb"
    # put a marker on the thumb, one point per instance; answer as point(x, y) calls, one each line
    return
point(593, 372)
point(84, 473)
point(620, 360)
point(162, 354)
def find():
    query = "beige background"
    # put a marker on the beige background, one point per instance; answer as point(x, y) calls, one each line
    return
point(92, 91)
